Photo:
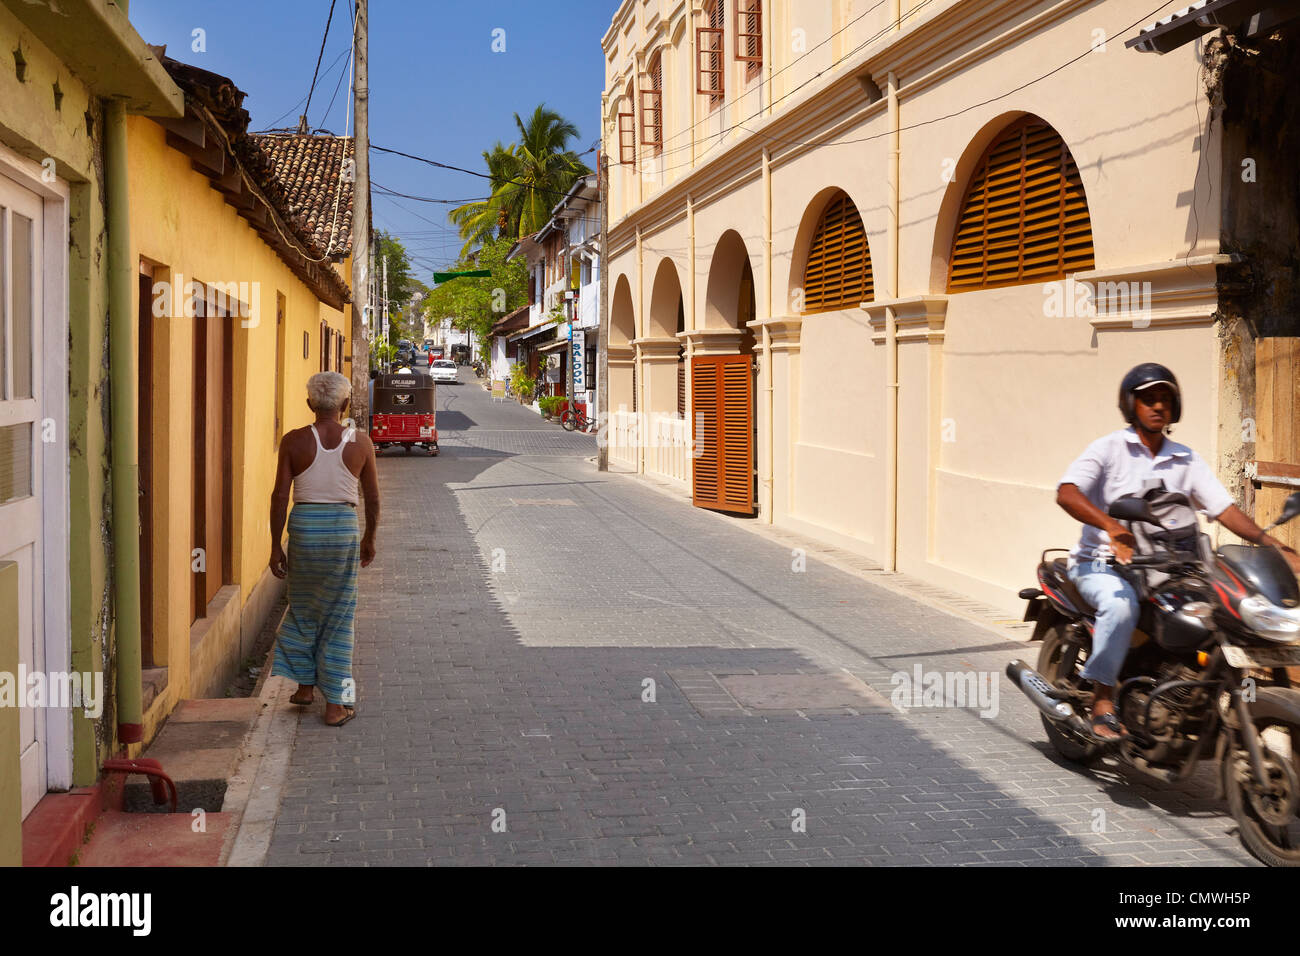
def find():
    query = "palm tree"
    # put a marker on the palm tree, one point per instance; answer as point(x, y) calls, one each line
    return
point(486, 219)
point(528, 178)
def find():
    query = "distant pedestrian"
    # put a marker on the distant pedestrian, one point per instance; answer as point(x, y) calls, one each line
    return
point(323, 463)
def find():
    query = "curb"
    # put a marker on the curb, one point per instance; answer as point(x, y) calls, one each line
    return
point(256, 788)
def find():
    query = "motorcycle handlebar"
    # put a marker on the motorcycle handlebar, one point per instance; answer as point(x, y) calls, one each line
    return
point(1155, 560)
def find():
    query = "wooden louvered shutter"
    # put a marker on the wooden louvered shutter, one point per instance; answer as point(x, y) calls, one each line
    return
point(838, 274)
point(705, 488)
point(652, 106)
point(1024, 217)
point(709, 63)
point(749, 32)
point(722, 398)
point(627, 139)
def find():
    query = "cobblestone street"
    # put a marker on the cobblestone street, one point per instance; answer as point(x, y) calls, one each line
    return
point(556, 665)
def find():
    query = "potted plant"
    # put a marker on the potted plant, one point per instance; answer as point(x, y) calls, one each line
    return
point(521, 383)
point(550, 405)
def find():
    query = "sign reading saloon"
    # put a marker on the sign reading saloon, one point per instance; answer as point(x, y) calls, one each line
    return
point(578, 356)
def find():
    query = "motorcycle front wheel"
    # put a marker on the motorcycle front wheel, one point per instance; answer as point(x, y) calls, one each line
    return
point(1270, 834)
point(1051, 666)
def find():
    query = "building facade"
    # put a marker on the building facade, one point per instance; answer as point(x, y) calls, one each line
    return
point(229, 332)
point(177, 281)
point(71, 76)
point(876, 270)
point(562, 333)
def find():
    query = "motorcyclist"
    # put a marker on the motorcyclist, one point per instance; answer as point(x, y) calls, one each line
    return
point(1127, 462)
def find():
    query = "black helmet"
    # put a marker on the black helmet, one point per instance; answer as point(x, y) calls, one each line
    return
point(1143, 376)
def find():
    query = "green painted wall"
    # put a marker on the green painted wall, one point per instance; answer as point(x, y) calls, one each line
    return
point(68, 129)
point(11, 833)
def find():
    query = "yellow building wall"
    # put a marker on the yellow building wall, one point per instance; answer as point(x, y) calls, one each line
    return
point(184, 227)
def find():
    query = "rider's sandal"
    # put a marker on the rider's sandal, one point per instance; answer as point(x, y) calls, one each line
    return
point(1110, 722)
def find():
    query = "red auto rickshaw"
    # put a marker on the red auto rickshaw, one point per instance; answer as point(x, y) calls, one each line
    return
point(403, 411)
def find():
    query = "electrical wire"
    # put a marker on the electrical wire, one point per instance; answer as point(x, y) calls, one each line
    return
point(319, 57)
point(272, 128)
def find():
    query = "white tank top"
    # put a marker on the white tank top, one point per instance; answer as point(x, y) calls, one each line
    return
point(327, 480)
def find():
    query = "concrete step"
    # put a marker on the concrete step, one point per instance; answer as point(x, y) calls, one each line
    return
point(199, 748)
point(181, 839)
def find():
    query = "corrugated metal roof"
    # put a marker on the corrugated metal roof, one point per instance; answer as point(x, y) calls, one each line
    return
point(1196, 19)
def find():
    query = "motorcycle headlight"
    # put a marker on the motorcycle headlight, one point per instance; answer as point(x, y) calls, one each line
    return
point(1270, 621)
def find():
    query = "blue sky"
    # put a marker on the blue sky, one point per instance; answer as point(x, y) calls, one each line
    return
point(437, 89)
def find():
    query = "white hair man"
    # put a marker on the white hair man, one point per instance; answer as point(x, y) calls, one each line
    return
point(323, 463)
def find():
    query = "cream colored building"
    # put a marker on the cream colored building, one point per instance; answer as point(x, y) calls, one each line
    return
point(915, 397)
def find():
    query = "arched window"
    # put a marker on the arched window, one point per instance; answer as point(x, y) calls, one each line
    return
point(652, 105)
point(838, 274)
point(1025, 216)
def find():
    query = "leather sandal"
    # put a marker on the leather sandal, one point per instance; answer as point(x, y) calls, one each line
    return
point(1110, 722)
point(348, 714)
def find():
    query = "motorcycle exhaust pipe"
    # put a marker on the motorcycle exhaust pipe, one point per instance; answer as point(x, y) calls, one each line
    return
point(1034, 686)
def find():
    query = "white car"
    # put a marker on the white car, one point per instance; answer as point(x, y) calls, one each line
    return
point(444, 370)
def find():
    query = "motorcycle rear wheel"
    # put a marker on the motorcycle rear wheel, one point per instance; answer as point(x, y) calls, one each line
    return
point(1063, 742)
point(1271, 844)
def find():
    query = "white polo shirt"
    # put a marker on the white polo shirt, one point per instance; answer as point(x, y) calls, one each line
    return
point(1119, 464)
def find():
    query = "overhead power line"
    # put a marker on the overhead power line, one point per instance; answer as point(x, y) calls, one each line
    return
point(319, 57)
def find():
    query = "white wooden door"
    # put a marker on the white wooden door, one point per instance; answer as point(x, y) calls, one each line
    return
point(21, 322)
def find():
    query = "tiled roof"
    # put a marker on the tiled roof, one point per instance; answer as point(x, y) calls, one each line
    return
point(298, 174)
point(511, 322)
point(305, 183)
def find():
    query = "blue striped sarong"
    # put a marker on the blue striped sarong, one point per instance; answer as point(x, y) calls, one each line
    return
point(314, 644)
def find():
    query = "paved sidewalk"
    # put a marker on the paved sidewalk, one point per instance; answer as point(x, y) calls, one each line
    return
point(560, 666)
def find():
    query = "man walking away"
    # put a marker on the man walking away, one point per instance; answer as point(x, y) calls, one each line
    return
point(323, 463)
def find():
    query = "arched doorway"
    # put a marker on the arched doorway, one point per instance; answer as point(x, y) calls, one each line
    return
point(622, 330)
point(723, 385)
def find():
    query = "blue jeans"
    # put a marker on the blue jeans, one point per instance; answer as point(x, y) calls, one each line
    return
point(1117, 613)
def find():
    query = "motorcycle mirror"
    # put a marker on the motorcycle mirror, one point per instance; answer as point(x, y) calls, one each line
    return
point(1132, 509)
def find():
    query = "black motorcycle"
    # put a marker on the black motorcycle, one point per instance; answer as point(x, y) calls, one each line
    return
point(1206, 676)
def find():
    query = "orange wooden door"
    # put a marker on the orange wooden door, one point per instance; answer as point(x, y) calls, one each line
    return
point(212, 454)
point(144, 458)
point(722, 397)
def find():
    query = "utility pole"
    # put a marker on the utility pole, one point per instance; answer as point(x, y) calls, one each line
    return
point(361, 260)
point(385, 299)
point(602, 345)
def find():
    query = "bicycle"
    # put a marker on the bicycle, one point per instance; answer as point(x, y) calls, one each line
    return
point(572, 419)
